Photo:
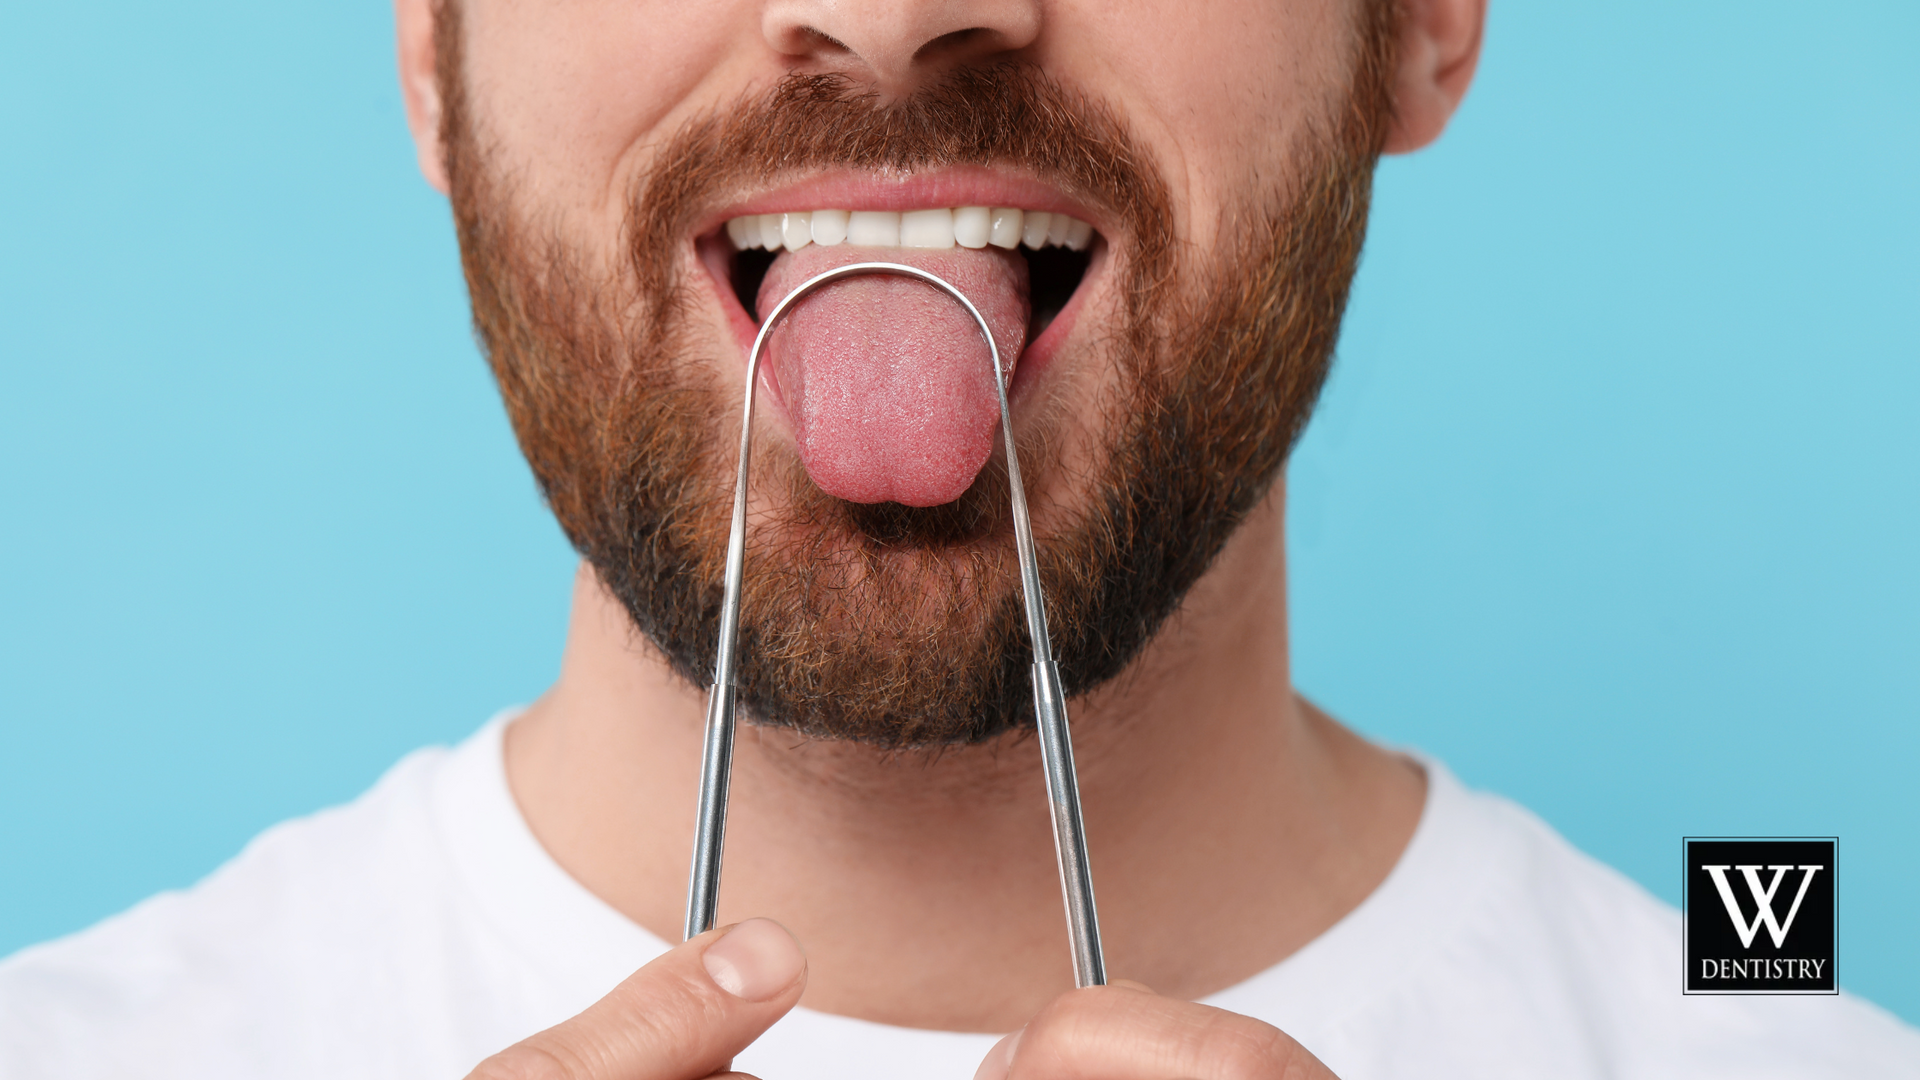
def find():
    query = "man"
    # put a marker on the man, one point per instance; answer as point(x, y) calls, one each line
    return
point(634, 187)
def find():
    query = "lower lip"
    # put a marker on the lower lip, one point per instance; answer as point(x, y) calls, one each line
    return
point(712, 252)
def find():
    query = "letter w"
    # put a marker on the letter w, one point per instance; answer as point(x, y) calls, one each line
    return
point(1763, 898)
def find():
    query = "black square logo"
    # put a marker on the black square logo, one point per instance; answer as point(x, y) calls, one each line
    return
point(1759, 914)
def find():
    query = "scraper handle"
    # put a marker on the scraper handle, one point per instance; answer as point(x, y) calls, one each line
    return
point(1069, 835)
point(710, 831)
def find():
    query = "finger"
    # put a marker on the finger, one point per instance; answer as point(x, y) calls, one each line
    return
point(999, 1060)
point(1120, 1033)
point(682, 1017)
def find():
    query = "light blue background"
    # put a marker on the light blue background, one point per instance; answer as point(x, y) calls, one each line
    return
point(1611, 502)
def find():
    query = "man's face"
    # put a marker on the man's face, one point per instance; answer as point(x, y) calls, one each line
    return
point(610, 161)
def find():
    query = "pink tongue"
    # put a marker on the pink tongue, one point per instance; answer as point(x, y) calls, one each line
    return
point(886, 380)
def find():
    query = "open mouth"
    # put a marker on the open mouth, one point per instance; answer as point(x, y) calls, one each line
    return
point(882, 384)
point(1057, 247)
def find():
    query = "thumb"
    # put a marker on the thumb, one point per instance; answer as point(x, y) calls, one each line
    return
point(681, 1017)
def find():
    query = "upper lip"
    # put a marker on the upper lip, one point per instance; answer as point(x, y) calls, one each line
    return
point(859, 190)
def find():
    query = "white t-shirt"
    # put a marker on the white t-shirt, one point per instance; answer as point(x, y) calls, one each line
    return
point(422, 927)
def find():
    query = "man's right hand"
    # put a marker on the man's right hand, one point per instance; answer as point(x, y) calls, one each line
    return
point(682, 1017)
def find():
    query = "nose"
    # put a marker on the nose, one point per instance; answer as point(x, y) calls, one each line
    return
point(898, 45)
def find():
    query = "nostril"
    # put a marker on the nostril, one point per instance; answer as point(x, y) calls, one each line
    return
point(958, 41)
point(796, 38)
point(821, 41)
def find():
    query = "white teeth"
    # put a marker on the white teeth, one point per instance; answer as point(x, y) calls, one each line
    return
point(1079, 235)
point(873, 228)
point(1006, 228)
point(972, 225)
point(796, 229)
point(926, 229)
point(1057, 227)
point(967, 226)
point(829, 227)
point(1033, 232)
point(771, 237)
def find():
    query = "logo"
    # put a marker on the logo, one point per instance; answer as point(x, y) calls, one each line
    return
point(1736, 888)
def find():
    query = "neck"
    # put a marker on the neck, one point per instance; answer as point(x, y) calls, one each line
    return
point(1229, 822)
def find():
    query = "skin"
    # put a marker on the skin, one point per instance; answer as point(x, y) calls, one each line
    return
point(1230, 820)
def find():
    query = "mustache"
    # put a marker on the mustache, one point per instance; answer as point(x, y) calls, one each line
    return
point(1008, 115)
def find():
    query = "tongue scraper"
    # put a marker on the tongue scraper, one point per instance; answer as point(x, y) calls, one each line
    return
point(1049, 698)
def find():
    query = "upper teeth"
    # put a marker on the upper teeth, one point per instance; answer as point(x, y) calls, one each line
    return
point(967, 226)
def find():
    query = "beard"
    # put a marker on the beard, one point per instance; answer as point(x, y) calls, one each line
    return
point(893, 625)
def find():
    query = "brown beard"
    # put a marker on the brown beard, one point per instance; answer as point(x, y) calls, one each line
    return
point(888, 624)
